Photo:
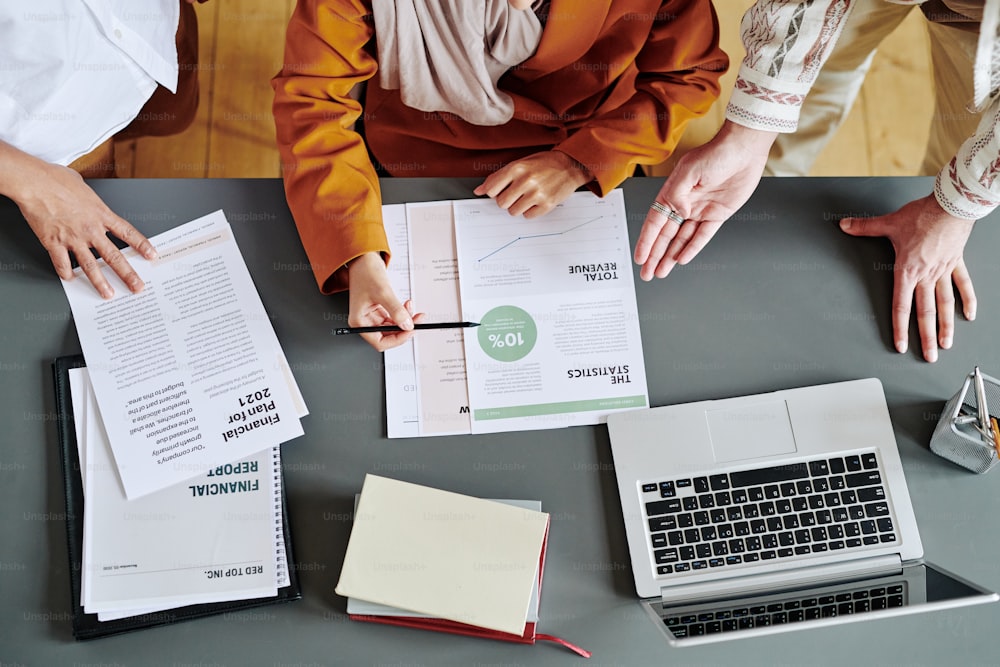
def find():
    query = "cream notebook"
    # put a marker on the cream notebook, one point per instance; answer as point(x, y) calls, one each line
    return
point(443, 554)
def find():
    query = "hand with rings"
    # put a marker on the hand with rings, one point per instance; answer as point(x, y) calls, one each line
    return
point(671, 233)
point(706, 187)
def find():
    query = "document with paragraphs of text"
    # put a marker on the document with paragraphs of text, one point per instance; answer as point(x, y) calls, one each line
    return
point(188, 374)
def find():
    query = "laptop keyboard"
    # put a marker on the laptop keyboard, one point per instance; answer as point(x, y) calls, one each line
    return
point(780, 612)
point(792, 511)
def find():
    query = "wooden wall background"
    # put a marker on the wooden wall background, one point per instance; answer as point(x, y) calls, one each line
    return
point(241, 44)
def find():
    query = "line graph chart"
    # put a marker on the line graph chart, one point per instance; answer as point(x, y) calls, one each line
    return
point(491, 238)
point(497, 251)
point(538, 236)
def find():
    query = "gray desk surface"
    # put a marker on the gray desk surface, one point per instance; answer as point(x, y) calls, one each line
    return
point(780, 298)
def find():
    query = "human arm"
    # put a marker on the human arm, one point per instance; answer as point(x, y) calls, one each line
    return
point(677, 72)
point(330, 182)
point(68, 217)
point(786, 45)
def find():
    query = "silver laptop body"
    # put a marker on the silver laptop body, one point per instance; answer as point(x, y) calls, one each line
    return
point(772, 512)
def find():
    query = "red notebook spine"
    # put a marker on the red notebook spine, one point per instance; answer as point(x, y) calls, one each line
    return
point(453, 627)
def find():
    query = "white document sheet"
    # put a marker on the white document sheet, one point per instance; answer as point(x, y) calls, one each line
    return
point(402, 408)
point(281, 562)
point(79, 388)
point(188, 374)
point(443, 554)
point(211, 539)
point(439, 355)
point(425, 377)
point(559, 340)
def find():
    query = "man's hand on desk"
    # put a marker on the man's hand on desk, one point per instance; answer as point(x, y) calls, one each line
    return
point(928, 243)
point(707, 186)
point(373, 303)
point(68, 217)
point(536, 184)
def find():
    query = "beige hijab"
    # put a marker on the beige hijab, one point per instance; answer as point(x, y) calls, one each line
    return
point(447, 55)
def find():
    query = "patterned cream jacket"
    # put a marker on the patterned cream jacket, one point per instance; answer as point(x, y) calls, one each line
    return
point(787, 42)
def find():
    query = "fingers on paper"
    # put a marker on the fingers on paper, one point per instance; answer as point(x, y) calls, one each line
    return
point(114, 258)
point(133, 237)
point(496, 187)
point(518, 194)
point(93, 238)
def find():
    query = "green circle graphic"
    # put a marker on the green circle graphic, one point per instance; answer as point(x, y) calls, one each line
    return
point(507, 333)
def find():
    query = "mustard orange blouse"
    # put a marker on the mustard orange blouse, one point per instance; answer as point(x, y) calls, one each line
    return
point(612, 84)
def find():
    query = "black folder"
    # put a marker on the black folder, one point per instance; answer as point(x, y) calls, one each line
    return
point(86, 626)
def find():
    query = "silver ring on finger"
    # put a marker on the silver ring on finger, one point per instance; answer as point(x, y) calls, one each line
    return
point(667, 211)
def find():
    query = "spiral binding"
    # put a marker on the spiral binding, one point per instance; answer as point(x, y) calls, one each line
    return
point(280, 557)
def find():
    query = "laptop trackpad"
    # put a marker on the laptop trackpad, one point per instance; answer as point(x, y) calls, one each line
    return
point(750, 431)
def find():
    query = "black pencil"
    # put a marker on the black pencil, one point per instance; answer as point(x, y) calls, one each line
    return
point(392, 328)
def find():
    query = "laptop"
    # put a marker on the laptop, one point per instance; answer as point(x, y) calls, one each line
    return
point(767, 513)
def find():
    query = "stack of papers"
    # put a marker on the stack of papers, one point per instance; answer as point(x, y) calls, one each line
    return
point(426, 558)
point(178, 416)
point(421, 552)
point(216, 538)
point(559, 341)
point(188, 374)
